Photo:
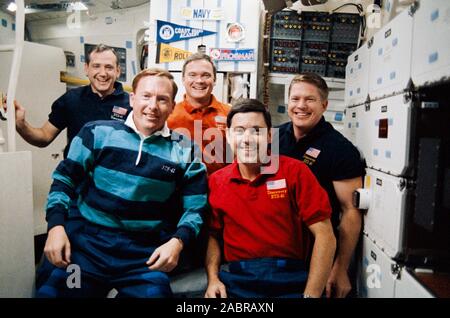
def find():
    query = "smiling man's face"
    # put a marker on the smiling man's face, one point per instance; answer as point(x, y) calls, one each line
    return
point(305, 107)
point(102, 72)
point(152, 103)
point(199, 80)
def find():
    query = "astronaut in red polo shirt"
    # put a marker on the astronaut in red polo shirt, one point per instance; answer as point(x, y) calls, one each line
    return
point(266, 217)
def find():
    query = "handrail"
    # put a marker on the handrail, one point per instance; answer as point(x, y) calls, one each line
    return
point(7, 47)
point(13, 76)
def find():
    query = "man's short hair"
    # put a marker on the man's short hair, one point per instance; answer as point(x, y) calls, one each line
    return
point(159, 72)
point(102, 48)
point(249, 105)
point(198, 57)
point(312, 79)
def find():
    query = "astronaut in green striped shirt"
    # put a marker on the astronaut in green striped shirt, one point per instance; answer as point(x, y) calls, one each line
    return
point(142, 193)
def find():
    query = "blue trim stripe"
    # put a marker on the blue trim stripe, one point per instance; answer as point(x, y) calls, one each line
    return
point(98, 217)
point(55, 198)
point(142, 225)
point(195, 202)
point(121, 160)
point(63, 178)
point(108, 220)
point(72, 170)
point(130, 210)
point(192, 220)
point(111, 137)
point(58, 186)
point(132, 187)
point(79, 153)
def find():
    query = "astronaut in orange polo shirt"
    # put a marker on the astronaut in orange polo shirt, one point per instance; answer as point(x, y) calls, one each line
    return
point(200, 115)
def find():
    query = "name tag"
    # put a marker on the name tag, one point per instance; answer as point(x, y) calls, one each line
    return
point(276, 184)
point(276, 189)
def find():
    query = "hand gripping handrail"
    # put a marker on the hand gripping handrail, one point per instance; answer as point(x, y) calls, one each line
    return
point(13, 76)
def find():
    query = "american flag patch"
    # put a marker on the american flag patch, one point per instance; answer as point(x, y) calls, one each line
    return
point(119, 110)
point(313, 152)
point(276, 184)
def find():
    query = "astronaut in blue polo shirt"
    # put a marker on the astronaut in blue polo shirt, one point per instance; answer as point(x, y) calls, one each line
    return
point(103, 99)
point(335, 162)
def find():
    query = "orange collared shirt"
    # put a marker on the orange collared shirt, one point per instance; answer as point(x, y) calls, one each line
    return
point(212, 116)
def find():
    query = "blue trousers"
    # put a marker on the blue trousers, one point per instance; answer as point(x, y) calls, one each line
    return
point(265, 277)
point(107, 259)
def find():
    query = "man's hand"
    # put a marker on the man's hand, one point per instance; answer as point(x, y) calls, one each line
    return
point(20, 111)
point(165, 257)
point(2, 107)
point(20, 114)
point(216, 289)
point(57, 247)
point(338, 284)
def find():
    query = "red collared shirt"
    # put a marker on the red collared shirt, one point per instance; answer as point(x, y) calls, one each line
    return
point(266, 217)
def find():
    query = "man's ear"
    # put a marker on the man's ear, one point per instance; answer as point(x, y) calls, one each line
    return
point(173, 106)
point(325, 105)
point(131, 99)
point(86, 66)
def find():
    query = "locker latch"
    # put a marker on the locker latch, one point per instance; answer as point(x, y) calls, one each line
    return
point(396, 270)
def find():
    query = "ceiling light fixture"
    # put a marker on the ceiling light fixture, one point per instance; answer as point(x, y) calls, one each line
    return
point(12, 6)
point(78, 6)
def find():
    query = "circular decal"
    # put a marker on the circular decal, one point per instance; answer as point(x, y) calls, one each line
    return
point(235, 32)
point(215, 54)
point(166, 32)
point(166, 53)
